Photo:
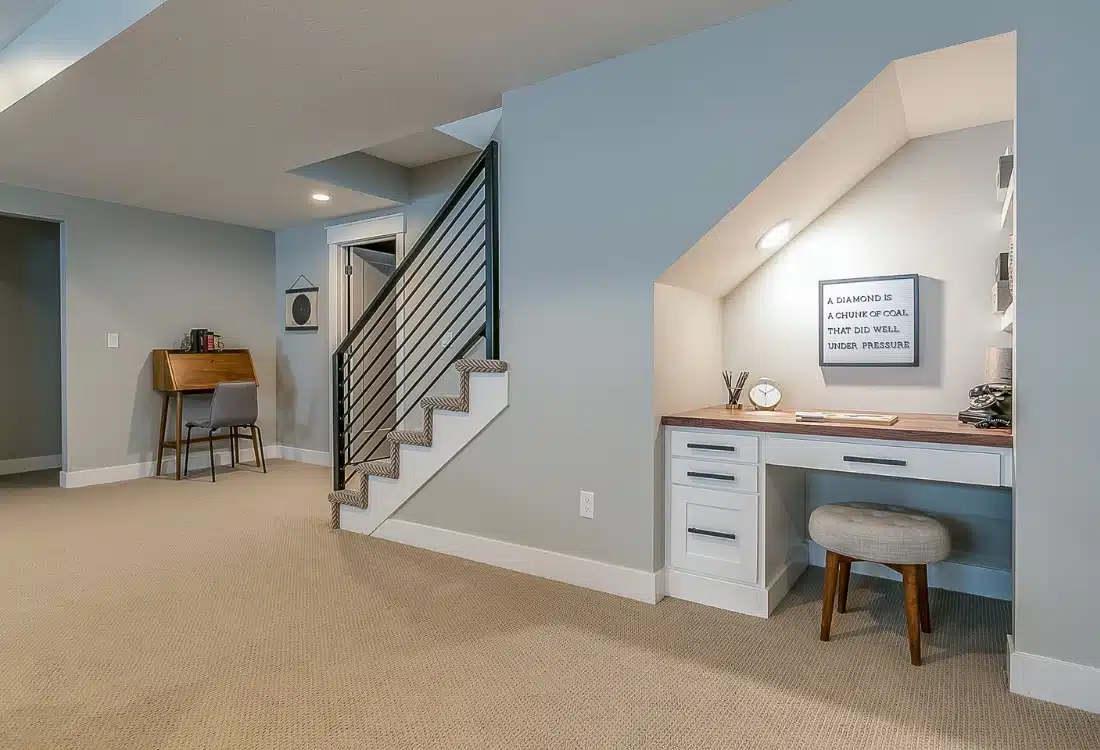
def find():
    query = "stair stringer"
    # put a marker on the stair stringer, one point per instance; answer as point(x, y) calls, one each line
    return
point(451, 432)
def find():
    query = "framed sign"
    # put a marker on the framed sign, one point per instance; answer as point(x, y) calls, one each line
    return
point(869, 322)
point(301, 306)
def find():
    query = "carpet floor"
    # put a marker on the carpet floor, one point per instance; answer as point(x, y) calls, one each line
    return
point(162, 614)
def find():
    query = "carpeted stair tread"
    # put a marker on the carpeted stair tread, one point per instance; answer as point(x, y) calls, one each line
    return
point(348, 497)
point(481, 365)
point(410, 437)
point(383, 467)
point(444, 403)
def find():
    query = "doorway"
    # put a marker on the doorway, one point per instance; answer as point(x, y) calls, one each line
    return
point(30, 380)
point(364, 256)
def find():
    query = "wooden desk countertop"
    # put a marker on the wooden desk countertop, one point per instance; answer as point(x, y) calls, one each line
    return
point(917, 428)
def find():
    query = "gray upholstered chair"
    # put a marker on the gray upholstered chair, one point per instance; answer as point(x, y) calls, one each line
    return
point(898, 538)
point(235, 405)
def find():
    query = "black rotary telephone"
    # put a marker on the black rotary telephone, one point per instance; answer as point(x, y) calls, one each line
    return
point(990, 406)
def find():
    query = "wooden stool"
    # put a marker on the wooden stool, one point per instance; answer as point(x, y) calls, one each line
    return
point(898, 538)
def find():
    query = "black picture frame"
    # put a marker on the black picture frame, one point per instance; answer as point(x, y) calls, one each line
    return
point(915, 278)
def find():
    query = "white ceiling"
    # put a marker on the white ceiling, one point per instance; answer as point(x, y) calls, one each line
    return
point(202, 106)
point(16, 16)
point(419, 149)
point(959, 87)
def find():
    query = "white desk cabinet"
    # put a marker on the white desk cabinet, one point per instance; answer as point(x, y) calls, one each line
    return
point(735, 500)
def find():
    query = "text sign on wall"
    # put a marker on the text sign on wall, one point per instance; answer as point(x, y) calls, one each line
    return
point(870, 322)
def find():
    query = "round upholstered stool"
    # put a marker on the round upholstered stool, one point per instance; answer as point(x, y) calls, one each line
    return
point(899, 538)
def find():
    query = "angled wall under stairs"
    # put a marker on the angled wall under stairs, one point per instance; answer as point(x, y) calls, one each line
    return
point(380, 487)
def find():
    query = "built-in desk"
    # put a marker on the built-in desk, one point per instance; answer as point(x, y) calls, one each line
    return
point(736, 490)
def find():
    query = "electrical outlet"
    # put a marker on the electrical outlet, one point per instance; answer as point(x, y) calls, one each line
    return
point(446, 339)
point(112, 340)
point(588, 504)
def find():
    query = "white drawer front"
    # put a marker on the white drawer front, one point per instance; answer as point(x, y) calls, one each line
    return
point(715, 533)
point(716, 446)
point(912, 462)
point(714, 475)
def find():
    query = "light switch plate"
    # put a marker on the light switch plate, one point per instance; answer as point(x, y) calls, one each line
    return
point(112, 340)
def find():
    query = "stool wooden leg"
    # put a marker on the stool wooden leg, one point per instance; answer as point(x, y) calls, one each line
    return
point(922, 586)
point(832, 568)
point(912, 610)
point(842, 584)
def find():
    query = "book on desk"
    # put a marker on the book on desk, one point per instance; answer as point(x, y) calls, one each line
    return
point(183, 373)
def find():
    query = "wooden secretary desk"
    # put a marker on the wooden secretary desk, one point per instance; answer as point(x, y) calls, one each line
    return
point(183, 373)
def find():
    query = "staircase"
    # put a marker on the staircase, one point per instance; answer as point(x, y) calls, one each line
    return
point(427, 323)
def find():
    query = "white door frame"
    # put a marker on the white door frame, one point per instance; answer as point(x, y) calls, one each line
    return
point(339, 236)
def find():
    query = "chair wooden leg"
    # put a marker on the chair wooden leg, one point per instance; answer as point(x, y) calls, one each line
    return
point(211, 444)
point(232, 447)
point(922, 589)
point(186, 453)
point(260, 457)
point(912, 610)
point(832, 568)
point(842, 584)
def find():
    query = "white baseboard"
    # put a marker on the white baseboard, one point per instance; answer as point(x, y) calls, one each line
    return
point(305, 456)
point(744, 598)
point(590, 574)
point(35, 463)
point(953, 576)
point(200, 459)
point(1054, 681)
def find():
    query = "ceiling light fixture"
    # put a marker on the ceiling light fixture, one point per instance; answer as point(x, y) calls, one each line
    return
point(776, 237)
point(322, 197)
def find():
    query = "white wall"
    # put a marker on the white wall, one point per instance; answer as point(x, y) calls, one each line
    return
point(930, 209)
point(149, 277)
point(687, 350)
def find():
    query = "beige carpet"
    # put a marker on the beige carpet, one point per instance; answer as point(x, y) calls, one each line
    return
point(156, 614)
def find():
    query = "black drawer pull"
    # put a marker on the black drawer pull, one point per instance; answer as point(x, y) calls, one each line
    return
point(708, 532)
point(881, 461)
point(705, 475)
point(705, 447)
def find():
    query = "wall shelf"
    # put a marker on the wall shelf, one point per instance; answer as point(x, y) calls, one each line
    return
point(1008, 318)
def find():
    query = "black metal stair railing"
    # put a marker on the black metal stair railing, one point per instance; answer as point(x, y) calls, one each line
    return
point(440, 302)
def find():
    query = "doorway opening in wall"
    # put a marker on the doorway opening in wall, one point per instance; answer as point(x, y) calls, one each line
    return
point(31, 431)
point(363, 257)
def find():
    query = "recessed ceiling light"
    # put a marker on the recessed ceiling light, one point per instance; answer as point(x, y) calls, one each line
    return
point(322, 197)
point(776, 237)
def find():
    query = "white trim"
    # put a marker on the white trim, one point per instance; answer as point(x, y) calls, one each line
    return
point(953, 576)
point(366, 229)
point(742, 598)
point(199, 460)
point(590, 574)
point(301, 455)
point(34, 463)
point(1052, 680)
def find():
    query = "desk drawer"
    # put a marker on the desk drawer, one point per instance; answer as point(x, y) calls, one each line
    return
point(908, 461)
point(716, 446)
point(715, 475)
point(715, 533)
